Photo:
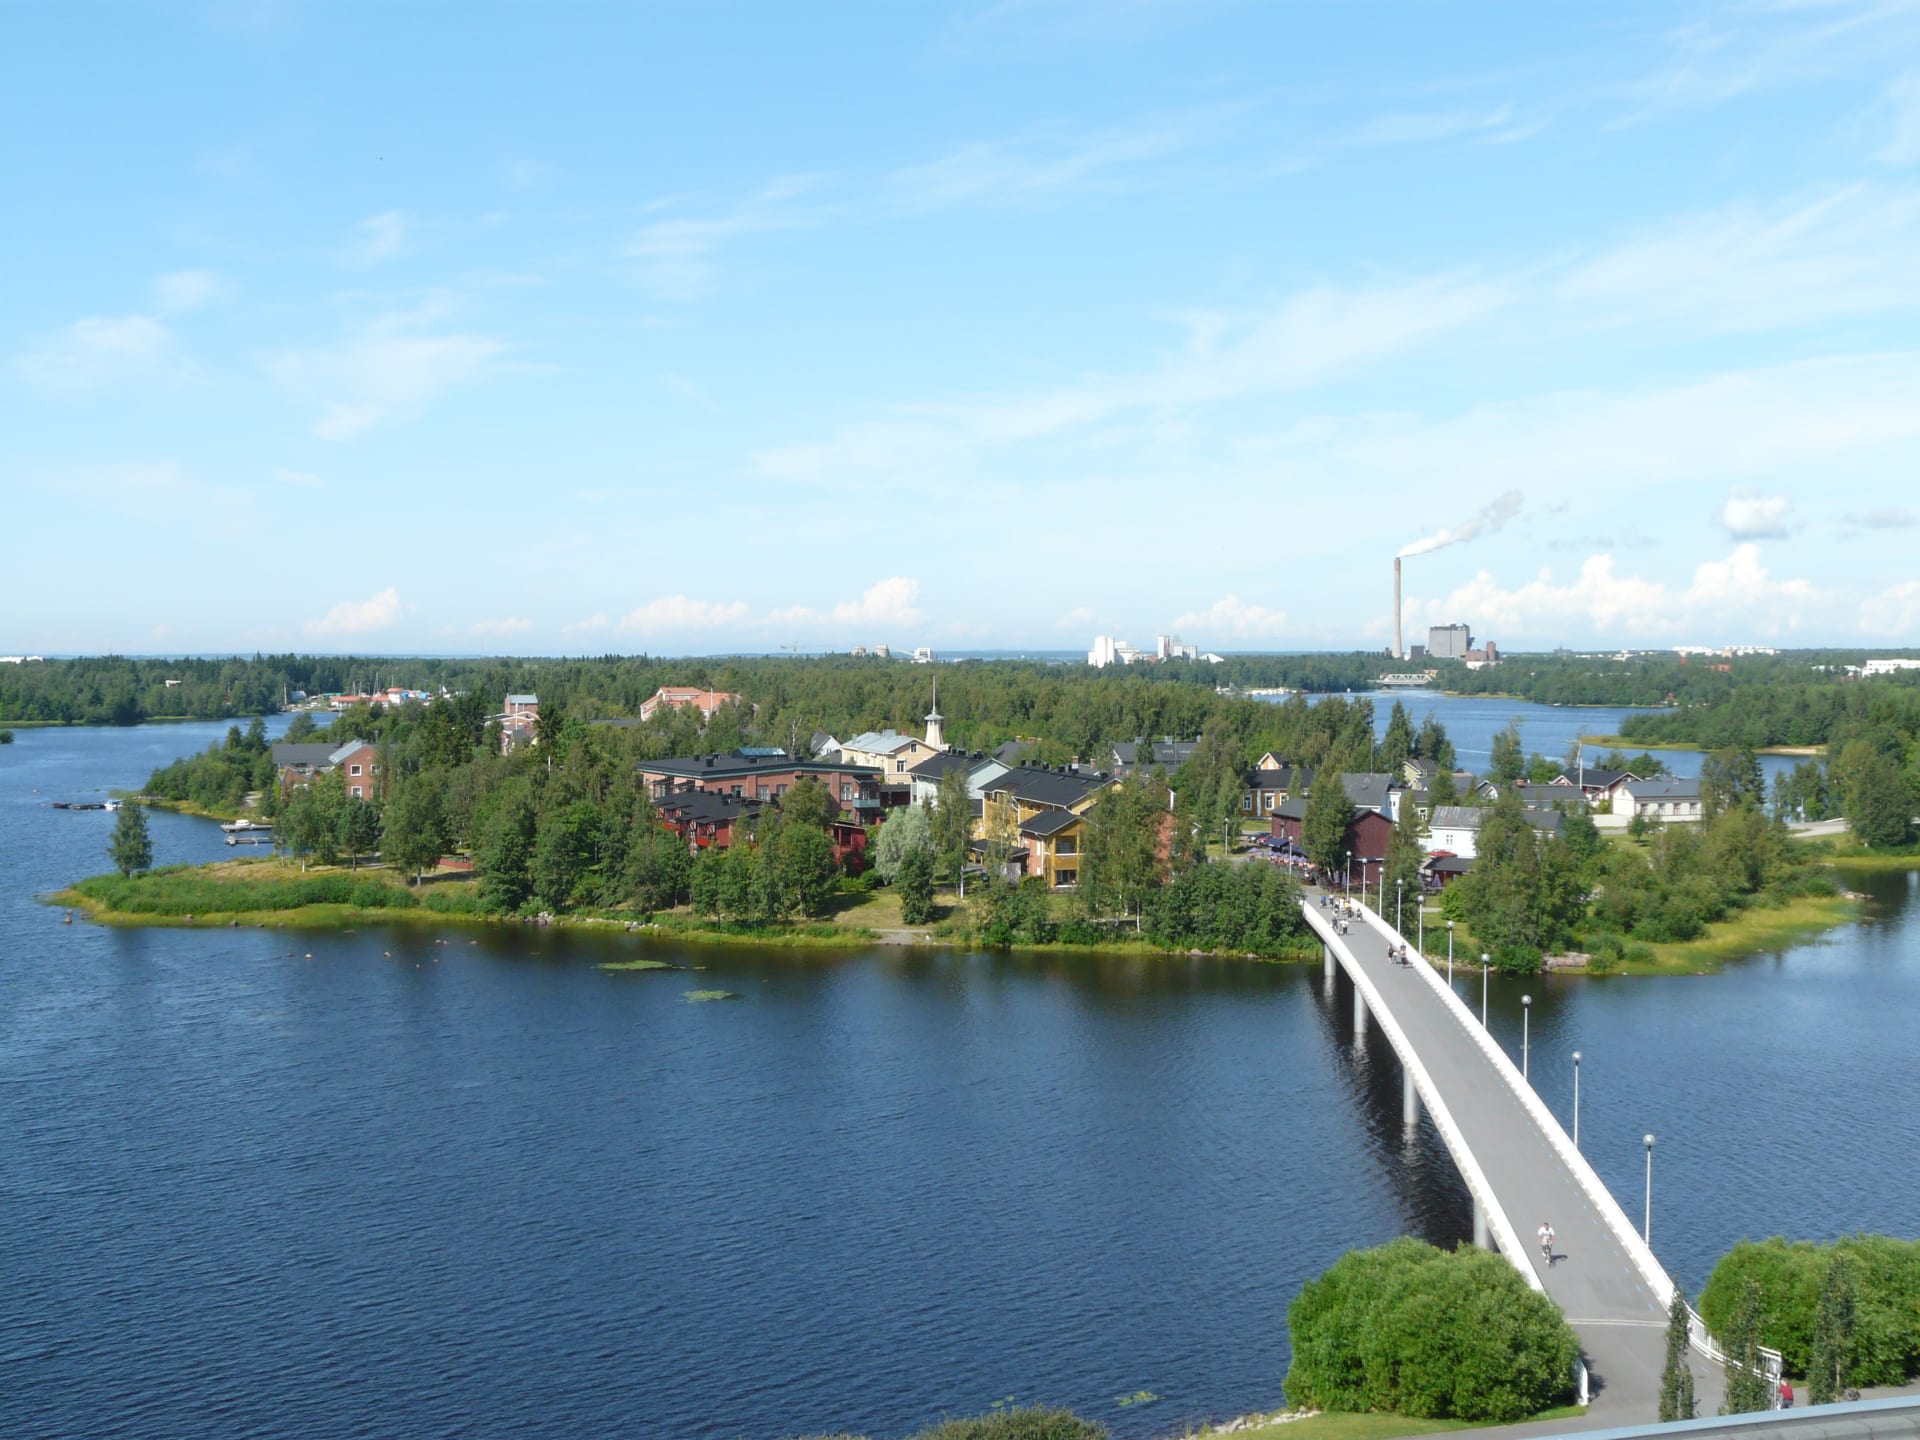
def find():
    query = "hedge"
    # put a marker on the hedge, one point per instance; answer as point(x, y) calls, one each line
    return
point(1418, 1331)
point(1886, 1277)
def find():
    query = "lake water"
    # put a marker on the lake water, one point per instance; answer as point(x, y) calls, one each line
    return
point(1551, 730)
point(405, 1187)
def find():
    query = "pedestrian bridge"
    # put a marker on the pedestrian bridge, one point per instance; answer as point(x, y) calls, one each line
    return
point(1520, 1167)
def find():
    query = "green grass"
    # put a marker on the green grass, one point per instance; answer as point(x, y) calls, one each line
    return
point(1336, 1425)
point(637, 964)
point(1845, 853)
point(697, 997)
point(1763, 927)
point(1634, 747)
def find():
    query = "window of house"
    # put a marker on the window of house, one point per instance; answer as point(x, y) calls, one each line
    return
point(355, 792)
point(736, 792)
point(1067, 845)
point(899, 767)
point(353, 770)
point(1246, 802)
point(1066, 879)
point(846, 792)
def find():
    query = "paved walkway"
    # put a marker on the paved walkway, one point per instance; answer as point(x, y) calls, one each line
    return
point(1621, 1324)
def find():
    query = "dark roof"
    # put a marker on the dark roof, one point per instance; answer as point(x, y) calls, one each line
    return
point(1371, 792)
point(1048, 822)
point(1597, 779)
point(707, 806)
point(1286, 777)
point(707, 767)
point(1450, 865)
point(935, 767)
point(1062, 788)
point(1671, 788)
point(301, 753)
point(1168, 754)
point(1011, 752)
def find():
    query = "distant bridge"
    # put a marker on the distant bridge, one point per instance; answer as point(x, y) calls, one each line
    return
point(1520, 1167)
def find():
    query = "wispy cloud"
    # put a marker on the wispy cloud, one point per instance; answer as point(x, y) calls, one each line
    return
point(1040, 170)
point(1895, 611)
point(500, 629)
point(158, 493)
point(300, 479)
point(1897, 517)
point(103, 351)
point(1854, 250)
point(1903, 100)
point(182, 291)
point(380, 238)
point(676, 256)
point(387, 371)
point(1305, 341)
point(1431, 126)
point(358, 617)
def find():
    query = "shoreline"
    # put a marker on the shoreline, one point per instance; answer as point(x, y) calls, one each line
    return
point(1621, 742)
point(1756, 930)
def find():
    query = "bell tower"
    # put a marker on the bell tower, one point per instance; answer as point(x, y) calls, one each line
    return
point(935, 740)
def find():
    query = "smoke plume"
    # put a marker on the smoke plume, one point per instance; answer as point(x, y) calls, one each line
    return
point(1490, 517)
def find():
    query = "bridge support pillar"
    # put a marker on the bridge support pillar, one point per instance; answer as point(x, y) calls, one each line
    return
point(1326, 954)
point(1359, 1015)
point(1481, 1239)
point(1409, 1099)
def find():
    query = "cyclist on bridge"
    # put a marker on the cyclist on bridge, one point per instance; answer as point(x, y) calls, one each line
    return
point(1546, 1242)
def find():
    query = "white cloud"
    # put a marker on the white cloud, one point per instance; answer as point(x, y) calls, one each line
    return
point(1232, 617)
point(1734, 595)
point(299, 478)
point(1311, 338)
point(1750, 516)
point(676, 612)
point(180, 291)
point(1892, 517)
point(1421, 128)
point(886, 602)
point(1903, 98)
point(594, 622)
point(676, 256)
point(380, 237)
point(361, 617)
point(1894, 612)
point(386, 372)
point(500, 627)
point(102, 350)
point(1854, 250)
point(159, 493)
point(1037, 170)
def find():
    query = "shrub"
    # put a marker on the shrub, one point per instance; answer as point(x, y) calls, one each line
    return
point(1886, 1273)
point(1420, 1331)
point(1032, 1422)
point(465, 901)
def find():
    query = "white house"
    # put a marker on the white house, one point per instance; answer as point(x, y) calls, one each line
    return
point(1666, 800)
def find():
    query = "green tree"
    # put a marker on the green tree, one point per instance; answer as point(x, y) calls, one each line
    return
point(413, 823)
point(906, 830)
point(328, 797)
point(951, 826)
point(1120, 859)
point(658, 865)
point(1509, 756)
point(567, 846)
point(504, 854)
point(1833, 1335)
point(131, 847)
point(1748, 1390)
point(808, 803)
point(1328, 817)
point(359, 829)
point(914, 880)
point(1406, 848)
point(1398, 743)
point(1878, 805)
point(804, 871)
point(1443, 790)
point(1729, 779)
point(1676, 1379)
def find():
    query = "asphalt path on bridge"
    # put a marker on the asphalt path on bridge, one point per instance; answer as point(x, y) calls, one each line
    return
point(1621, 1323)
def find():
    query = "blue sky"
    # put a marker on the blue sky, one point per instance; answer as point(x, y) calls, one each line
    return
point(680, 328)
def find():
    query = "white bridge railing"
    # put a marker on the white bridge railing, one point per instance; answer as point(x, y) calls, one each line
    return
point(1505, 1237)
point(1637, 1249)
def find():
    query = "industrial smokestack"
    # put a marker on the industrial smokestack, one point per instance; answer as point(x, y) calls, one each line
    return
point(1398, 652)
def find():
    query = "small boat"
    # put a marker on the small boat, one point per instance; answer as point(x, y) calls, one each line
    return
point(111, 805)
point(246, 827)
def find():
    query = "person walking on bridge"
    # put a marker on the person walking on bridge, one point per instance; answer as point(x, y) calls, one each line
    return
point(1547, 1238)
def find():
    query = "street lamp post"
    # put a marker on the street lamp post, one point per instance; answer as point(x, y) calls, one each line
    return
point(1449, 954)
point(1349, 875)
point(1576, 1099)
point(1646, 1223)
point(1420, 926)
point(1381, 908)
point(1485, 961)
point(1526, 1012)
point(1399, 903)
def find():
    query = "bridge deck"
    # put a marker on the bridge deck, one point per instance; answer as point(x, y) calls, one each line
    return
point(1621, 1323)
